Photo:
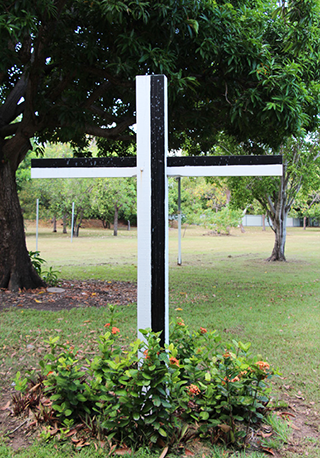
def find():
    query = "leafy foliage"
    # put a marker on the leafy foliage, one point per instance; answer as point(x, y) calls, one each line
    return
point(50, 276)
point(36, 260)
point(222, 221)
point(146, 393)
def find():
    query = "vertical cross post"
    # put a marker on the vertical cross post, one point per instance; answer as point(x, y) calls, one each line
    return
point(152, 204)
point(179, 222)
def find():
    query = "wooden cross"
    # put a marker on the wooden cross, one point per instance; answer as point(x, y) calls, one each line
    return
point(152, 168)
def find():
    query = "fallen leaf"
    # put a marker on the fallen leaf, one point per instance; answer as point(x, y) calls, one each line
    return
point(123, 451)
point(286, 414)
point(188, 452)
point(71, 433)
point(268, 450)
point(5, 407)
point(164, 452)
point(294, 427)
point(224, 428)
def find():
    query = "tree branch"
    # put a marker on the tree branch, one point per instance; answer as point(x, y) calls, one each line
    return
point(101, 89)
point(8, 109)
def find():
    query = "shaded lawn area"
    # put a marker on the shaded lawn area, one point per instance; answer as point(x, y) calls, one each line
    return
point(224, 284)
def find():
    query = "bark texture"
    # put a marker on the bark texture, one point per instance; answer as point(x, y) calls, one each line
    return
point(115, 220)
point(16, 269)
point(277, 212)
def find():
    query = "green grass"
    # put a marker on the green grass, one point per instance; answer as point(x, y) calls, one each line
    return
point(224, 283)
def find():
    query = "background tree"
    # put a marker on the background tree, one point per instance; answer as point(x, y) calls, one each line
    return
point(110, 196)
point(67, 70)
point(307, 205)
point(277, 195)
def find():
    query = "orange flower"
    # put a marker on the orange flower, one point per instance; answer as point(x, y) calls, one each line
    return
point(146, 354)
point(227, 355)
point(115, 330)
point(263, 365)
point(203, 330)
point(49, 373)
point(193, 389)
point(107, 325)
point(180, 323)
point(174, 361)
point(235, 379)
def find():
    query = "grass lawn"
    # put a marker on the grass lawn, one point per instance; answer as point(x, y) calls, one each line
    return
point(224, 283)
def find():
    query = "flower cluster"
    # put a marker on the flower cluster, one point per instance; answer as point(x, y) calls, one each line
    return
point(174, 361)
point(193, 390)
point(263, 365)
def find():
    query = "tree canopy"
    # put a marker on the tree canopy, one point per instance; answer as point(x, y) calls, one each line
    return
point(68, 67)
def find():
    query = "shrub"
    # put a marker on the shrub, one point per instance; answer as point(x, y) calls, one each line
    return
point(145, 393)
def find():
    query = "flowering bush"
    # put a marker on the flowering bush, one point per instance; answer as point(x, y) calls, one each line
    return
point(147, 392)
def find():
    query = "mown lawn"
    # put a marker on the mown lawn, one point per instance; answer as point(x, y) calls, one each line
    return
point(224, 283)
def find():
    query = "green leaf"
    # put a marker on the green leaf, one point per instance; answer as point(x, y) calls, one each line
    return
point(204, 415)
point(162, 432)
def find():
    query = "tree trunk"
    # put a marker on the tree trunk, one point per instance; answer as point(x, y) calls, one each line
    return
point(64, 223)
point(16, 269)
point(78, 225)
point(304, 222)
point(278, 217)
point(280, 233)
point(54, 221)
point(115, 221)
point(263, 222)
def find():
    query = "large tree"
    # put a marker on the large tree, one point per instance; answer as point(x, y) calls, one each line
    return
point(301, 167)
point(67, 71)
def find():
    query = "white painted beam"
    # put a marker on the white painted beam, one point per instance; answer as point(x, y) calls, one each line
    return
point(225, 170)
point(83, 172)
point(143, 202)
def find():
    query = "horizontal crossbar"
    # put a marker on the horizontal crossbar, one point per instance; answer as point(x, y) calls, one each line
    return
point(106, 167)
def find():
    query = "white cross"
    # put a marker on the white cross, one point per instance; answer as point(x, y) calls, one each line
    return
point(152, 168)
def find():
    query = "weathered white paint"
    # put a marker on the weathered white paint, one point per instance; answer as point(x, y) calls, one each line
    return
point(143, 201)
point(84, 172)
point(225, 170)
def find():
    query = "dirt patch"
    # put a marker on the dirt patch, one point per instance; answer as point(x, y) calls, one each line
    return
point(15, 430)
point(75, 294)
point(19, 432)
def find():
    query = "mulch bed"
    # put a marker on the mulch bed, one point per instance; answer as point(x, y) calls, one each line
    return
point(76, 294)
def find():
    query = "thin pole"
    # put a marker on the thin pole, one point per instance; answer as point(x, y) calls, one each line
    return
point(37, 224)
point(72, 221)
point(179, 222)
